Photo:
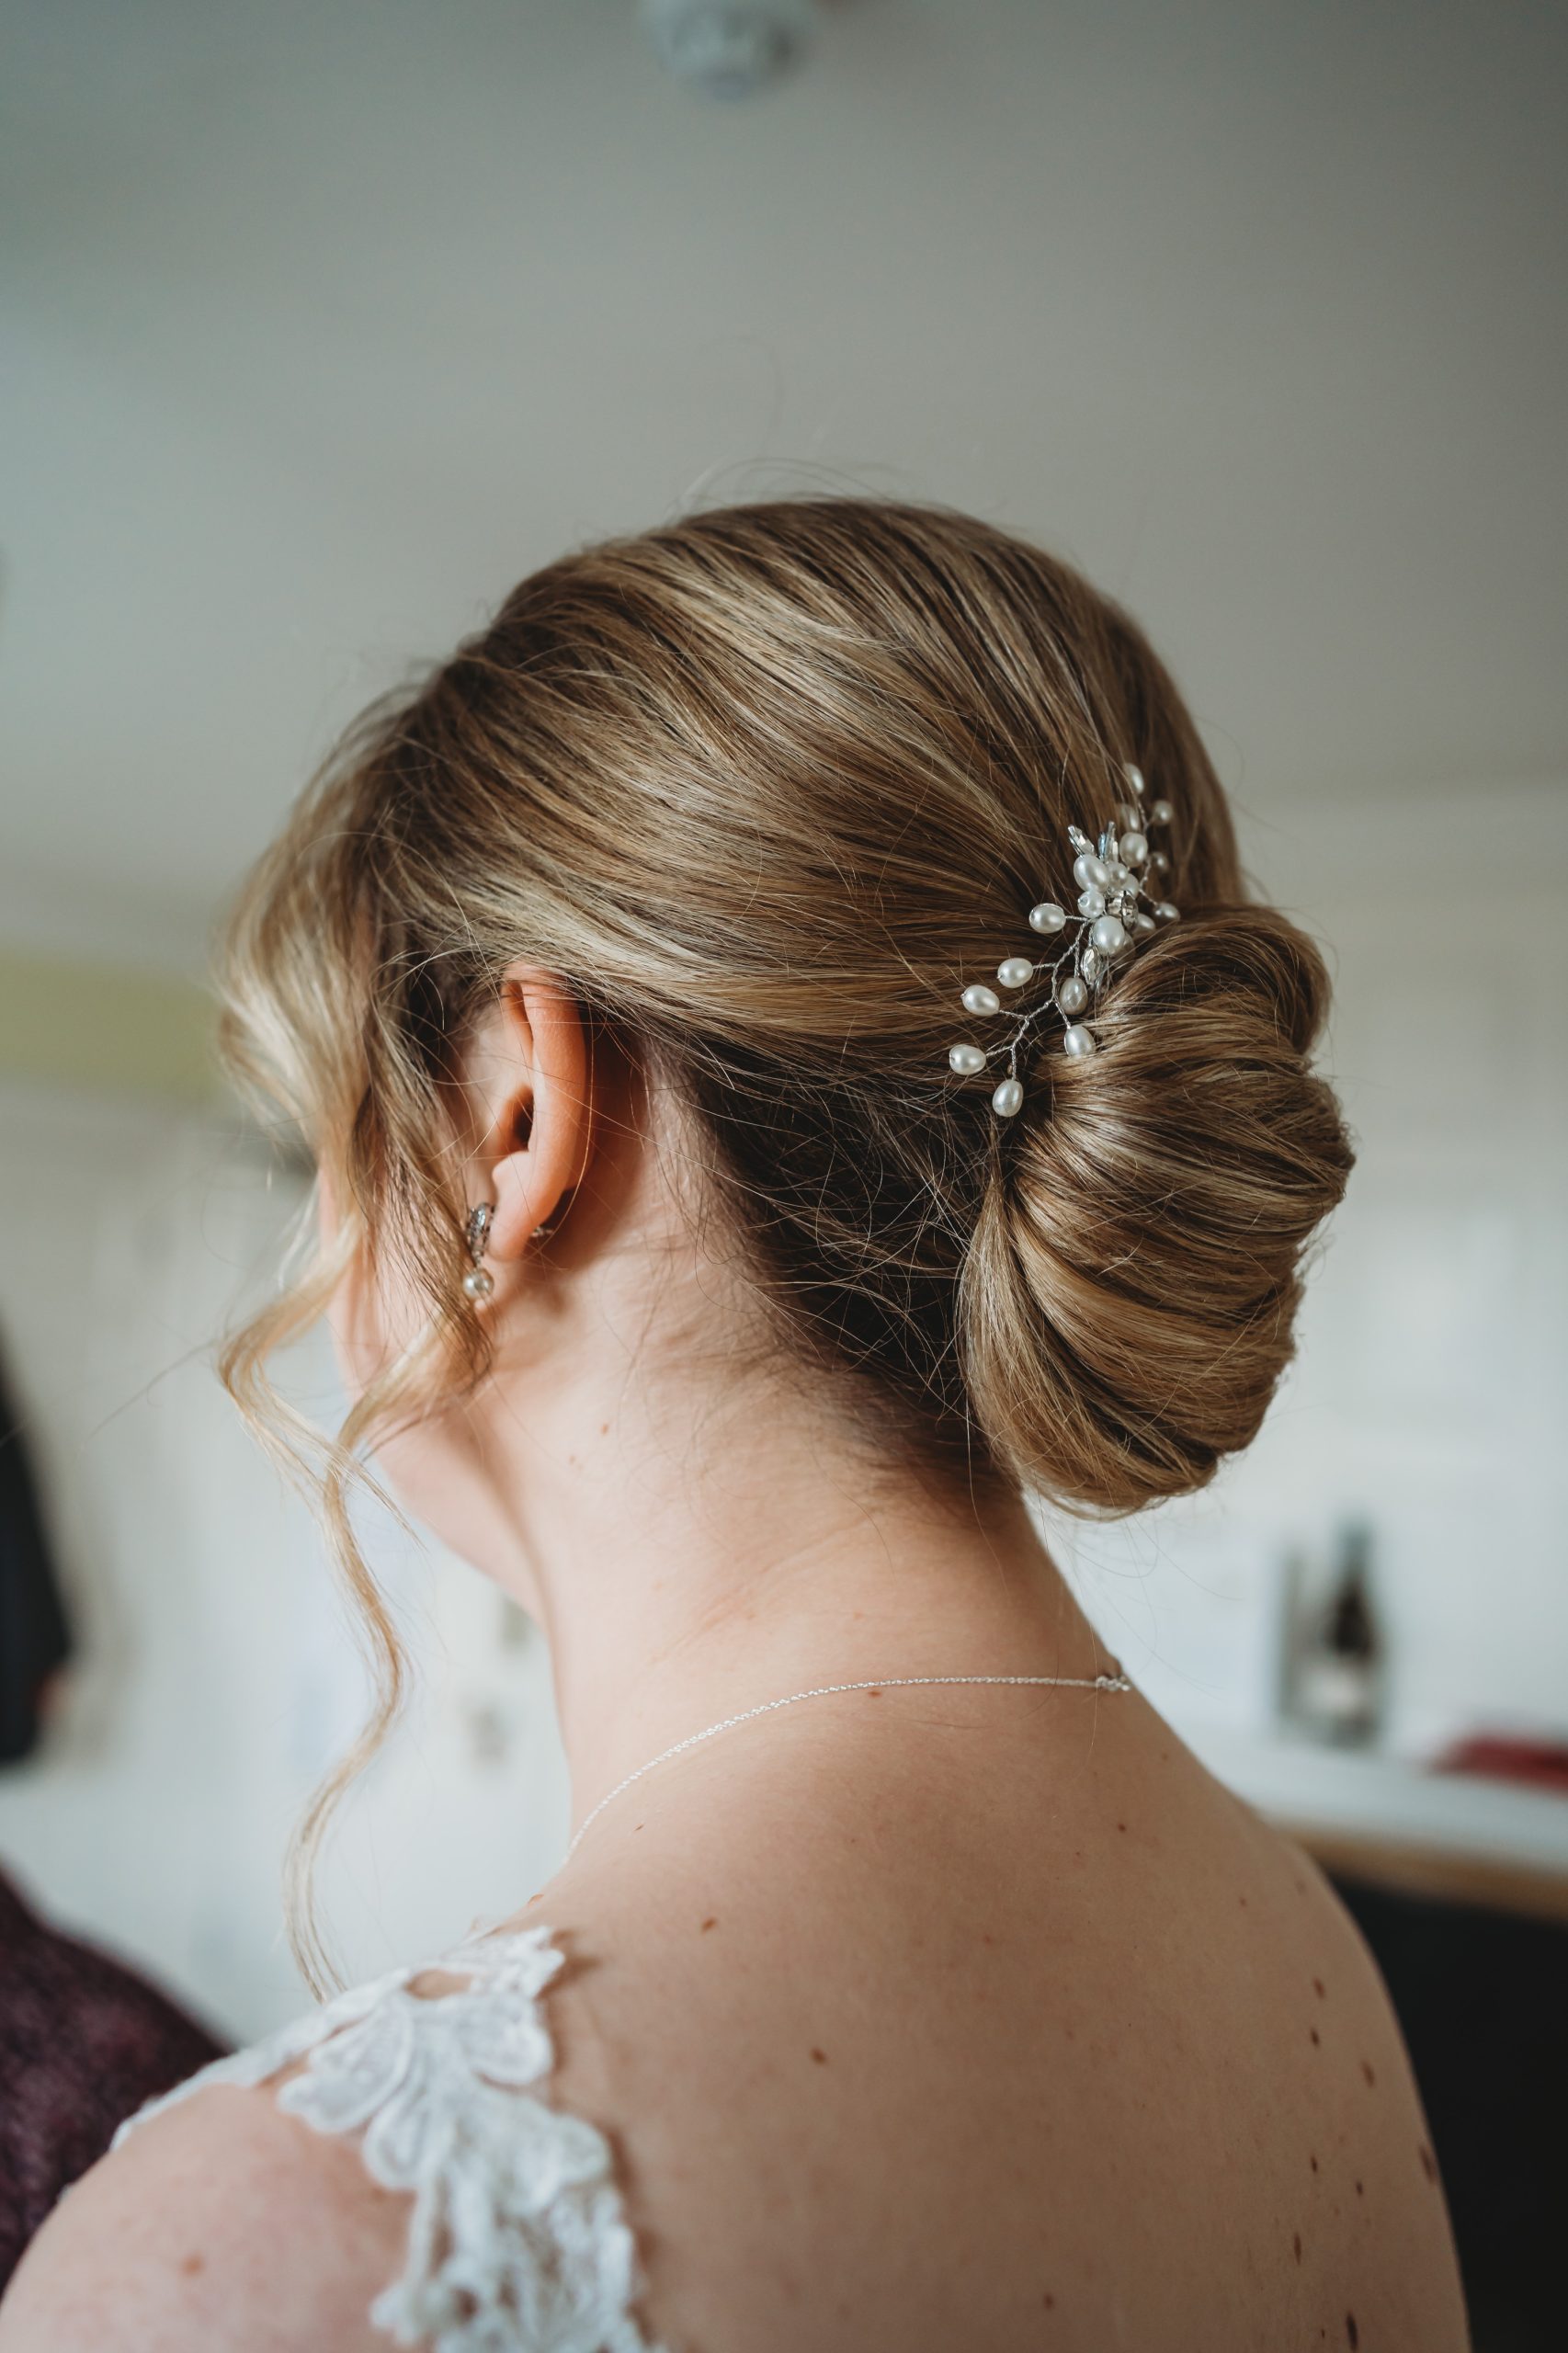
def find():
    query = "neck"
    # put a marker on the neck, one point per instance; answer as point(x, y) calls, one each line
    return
point(694, 1551)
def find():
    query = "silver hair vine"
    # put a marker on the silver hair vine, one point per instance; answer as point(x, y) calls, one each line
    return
point(1117, 908)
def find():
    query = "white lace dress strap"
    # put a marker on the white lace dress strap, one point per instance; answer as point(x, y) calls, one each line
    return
point(517, 2242)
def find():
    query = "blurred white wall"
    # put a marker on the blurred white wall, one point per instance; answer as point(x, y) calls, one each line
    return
point(216, 1676)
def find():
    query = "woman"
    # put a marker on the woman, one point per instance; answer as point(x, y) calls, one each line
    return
point(710, 1274)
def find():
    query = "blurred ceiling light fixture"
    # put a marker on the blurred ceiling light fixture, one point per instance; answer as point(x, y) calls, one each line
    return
point(730, 48)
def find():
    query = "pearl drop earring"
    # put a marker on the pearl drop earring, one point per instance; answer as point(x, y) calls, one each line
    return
point(478, 1281)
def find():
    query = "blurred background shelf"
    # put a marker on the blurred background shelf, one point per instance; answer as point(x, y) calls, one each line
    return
point(1364, 1815)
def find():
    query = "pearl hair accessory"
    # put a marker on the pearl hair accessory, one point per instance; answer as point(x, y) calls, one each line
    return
point(1117, 908)
point(478, 1282)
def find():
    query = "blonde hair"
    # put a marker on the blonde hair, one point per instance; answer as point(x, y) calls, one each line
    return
point(763, 788)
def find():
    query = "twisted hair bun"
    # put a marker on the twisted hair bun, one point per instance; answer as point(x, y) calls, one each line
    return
point(1127, 1307)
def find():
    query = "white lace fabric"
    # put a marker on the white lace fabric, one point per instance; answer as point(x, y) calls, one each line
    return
point(516, 2242)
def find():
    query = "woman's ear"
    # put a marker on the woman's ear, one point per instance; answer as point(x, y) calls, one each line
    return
point(532, 1070)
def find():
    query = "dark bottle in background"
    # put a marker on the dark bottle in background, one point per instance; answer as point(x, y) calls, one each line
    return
point(1335, 1678)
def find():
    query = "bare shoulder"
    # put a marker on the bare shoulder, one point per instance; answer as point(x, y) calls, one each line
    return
point(841, 2032)
point(224, 2226)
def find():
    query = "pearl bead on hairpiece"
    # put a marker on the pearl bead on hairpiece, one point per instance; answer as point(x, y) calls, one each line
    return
point(1116, 910)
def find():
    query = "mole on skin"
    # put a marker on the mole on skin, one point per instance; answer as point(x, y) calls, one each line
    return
point(711, 1922)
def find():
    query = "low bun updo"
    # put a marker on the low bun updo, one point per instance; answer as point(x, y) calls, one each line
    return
point(766, 787)
point(1127, 1307)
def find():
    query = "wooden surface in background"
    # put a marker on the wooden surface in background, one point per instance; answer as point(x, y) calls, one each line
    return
point(1453, 1877)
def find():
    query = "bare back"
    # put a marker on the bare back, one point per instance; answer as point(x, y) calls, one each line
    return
point(1044, 2040)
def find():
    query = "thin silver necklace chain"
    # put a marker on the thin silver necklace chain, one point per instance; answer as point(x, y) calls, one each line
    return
point(826, 1691)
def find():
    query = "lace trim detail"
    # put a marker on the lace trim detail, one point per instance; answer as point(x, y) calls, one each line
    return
point(517, 2242)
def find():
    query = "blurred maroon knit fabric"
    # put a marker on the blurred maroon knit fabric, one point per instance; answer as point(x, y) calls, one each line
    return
point(82, 2042)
